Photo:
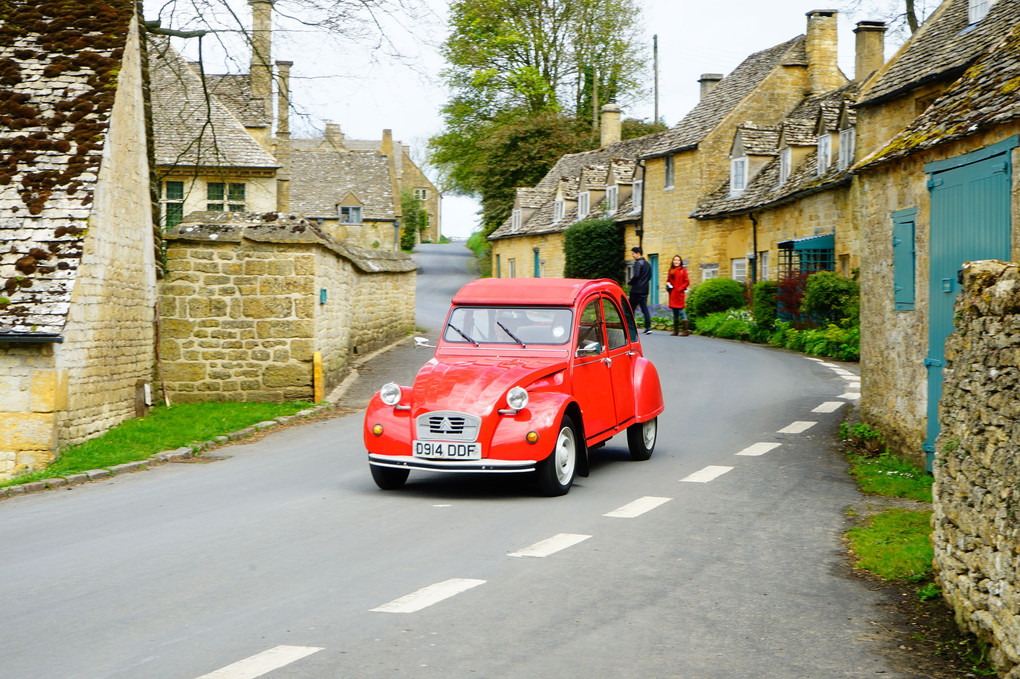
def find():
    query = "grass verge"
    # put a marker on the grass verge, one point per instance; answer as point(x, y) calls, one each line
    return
point(162, 429)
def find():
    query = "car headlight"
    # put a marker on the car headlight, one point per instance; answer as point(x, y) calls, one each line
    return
point(390, 394)
point(517, 398)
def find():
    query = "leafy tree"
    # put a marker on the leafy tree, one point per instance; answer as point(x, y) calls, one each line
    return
point(593, 248)
point(414, 220)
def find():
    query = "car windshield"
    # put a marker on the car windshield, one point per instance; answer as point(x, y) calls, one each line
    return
point(509, 325)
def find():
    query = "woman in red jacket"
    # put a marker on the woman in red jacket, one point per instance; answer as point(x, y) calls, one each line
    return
point(677, 283)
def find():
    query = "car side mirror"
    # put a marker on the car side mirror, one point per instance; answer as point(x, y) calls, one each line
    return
point(422, 342)
point(589, 348)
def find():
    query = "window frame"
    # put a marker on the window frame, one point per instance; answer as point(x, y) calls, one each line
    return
point(824, 146)
point(738, 175)
point(351, 209)
point(168, 202)
point(847, 147)
point(785, 164)
point(583, 204)
point(669, 172)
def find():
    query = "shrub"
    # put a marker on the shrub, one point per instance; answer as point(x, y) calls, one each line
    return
point(763, 305)
point(716, 294)
point(830, 298)
point(594, 248)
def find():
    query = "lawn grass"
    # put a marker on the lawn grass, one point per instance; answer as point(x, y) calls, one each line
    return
point(894, 545)
point(890, 476)
point(163, 429)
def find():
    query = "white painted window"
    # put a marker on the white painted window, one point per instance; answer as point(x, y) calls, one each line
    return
point(785, 161)
point(515, 220)
point(763, 265)
point(511, 267)
point(824, 154)
point(709, 271)
point(611, 193)
point(583, 202)
point(668, 172)
point(421, 194)
point(559, 209)
point(738, 175)
point(847, 142)
point(638, 194)
point(977, 9)
point(350, 214)
point(738, 269)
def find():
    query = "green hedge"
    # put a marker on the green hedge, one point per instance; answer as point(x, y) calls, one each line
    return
point(594, 248)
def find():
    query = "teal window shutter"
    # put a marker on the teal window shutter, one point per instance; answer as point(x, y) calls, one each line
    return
point(904, 259)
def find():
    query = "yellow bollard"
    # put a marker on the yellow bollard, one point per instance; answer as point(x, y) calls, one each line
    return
point(317, 386)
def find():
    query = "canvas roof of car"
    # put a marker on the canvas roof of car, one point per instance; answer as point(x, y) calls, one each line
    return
point(524, 291)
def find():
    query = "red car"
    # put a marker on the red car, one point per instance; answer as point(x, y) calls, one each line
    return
point(529, 375)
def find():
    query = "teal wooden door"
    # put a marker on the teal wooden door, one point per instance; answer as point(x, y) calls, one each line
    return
point(653, 284)
point(970, 197)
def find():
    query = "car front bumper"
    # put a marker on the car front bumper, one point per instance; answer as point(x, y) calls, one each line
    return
point(484, 466)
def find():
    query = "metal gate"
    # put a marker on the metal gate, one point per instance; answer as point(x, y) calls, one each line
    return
point(970, 197)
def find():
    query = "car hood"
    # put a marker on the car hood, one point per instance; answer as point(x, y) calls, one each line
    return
point(476, 385)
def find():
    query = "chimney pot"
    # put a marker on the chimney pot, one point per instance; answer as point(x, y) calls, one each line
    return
point(708, 81)
point(611, 126)
point(821, 44)
point(870, 48)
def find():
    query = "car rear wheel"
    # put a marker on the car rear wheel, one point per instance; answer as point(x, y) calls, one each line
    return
point(641, 439)
point(556, 472)
point(389, 478)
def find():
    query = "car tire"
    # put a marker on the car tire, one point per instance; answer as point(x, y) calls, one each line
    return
point(389, 478)
point(556, 472)
point(641, 439)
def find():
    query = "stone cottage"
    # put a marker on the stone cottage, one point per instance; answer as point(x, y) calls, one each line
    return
point(938, 129)
point(78, 244)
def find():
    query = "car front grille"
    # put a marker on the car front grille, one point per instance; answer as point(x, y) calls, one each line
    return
point(448, 426)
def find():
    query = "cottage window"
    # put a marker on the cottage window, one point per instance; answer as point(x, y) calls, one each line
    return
point(511, 267)
point(515, 220)
point(222, 196)
point(173, 203)
point(350, 214)
point(709, 271)
point(763, 265)
point(637, 195)
point(611, 193)
point(421, 194)
point(847, 142)
point(583, 203)
point(904, 259)
point(977, 9)
point(738, 175)
point(668, 172)
point(824, 154)
point(559, 209)
point(738, 269)
point(785, 161)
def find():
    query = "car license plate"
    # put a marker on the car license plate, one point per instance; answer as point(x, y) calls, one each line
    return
point(448, 450)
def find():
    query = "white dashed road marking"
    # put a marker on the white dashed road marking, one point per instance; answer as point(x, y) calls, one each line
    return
point(550, 546)
point(427, 596)
point(829, 407)
point(638, 507)
point(798, 427)
point(707, 474)
point(263, 663)
point(758, 449)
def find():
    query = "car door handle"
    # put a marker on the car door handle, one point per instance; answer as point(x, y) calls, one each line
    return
point(608, 362)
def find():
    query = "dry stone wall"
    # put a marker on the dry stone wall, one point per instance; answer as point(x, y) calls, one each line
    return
point(248, 299)
point(977, 470)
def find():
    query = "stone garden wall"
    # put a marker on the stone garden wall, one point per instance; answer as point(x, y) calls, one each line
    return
point(977, 465)
point(248, 299)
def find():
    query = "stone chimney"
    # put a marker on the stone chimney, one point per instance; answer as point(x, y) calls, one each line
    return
point(870, 48)
point(386, 146)
point(334, 137)
point(823, 67)
point(611, 130)
point(283, 137)
point(261, 69)
point(708, 81)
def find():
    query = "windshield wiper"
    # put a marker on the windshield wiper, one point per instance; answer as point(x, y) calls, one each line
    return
point(461, 333)
point(512, 336)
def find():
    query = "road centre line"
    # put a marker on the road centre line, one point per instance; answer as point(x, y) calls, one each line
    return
point(427, 596)
point(829, 407)
point(262, 663)
point(707, 474)
point(550, 546)
point(760, 448)
point(638, 507)
point(798, 427)
point(850, 395)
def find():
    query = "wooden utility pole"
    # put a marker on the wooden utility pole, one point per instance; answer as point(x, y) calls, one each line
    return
point(655, 66)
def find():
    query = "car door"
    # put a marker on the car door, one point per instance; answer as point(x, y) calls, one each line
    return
point(621, 361)
point(591, 379)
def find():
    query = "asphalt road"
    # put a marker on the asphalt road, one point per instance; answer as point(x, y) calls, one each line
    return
point(718, 558)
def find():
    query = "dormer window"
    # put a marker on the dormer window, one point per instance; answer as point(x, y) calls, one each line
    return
point(611, 195)
point(637, 193)
point(350, 214)
point(738, 175)
point(583, 203)
point(785, 162)
point(847, 141)
point(515, 220)
point(978, 9)
point(824, 154)
point(559, 209)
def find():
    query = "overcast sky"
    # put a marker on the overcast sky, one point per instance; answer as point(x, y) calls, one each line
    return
point(364, 88)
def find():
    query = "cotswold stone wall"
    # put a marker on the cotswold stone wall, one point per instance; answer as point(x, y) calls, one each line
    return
point(248, 299)
point(977, 469)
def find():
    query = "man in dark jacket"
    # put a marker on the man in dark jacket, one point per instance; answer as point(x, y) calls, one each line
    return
point(639, 280)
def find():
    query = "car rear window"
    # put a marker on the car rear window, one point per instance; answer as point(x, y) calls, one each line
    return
point(509, 325)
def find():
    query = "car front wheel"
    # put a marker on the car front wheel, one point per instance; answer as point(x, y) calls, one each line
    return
point(641, 439)
point(389, 478)
point(556, 472)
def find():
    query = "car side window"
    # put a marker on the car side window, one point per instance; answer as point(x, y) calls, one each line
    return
point(629, 315)
point(616, 334)
point(589, 330)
